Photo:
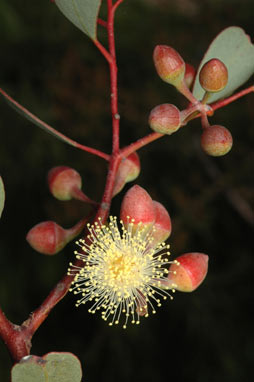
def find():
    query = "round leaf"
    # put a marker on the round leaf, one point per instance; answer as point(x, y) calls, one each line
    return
point(82, 13)
point(62, 367)
point(234, 48)
point(2, 196)
point(29, 369)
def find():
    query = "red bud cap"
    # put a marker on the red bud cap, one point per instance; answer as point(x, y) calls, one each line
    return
point(189, 271)
point(138, 205)
point(216, 140)
point(213, 76)
point(169, 64)
point(189, 75)
point(162, 225)
point(165, 119)
point(49, 238)
point(128, 170)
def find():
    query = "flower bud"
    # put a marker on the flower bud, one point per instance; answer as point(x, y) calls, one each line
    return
point(216, 140)
point(62, 181)
point(49, 238)
point(189, 74)
point(165, 119)
point(138, 205)
point(213, 76)
point(128, 170)
point(169, 65)
point(65, 183)
point(162, 225)
point(189, 271)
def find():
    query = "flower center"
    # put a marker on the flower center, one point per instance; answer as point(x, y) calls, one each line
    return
point(122, 271)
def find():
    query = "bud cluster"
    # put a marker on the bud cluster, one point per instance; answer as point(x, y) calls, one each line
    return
point(166, 118)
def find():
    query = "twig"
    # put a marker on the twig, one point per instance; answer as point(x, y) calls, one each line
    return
point(38, 122)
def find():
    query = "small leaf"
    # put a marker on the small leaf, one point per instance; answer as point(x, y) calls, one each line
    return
point(234, 48)
point(29, 369)
point(62, 367)
point(2, 196)
point(82, 13)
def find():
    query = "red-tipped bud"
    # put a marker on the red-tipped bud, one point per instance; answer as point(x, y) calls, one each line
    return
point(213, 76)
point(62, 181)
point(189, 75)
point(169, 65)
point(189, 271)
point(128, 170)
point(216, 140)
point(65, 184)
point(138, 205)
point(49, 237)
point(162, 225)
point(165, 119)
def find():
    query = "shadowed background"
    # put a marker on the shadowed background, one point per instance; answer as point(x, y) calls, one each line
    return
point(51, 68)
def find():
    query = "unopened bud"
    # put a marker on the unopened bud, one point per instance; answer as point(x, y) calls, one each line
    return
point(165, 119)
point(137, 205)
point(62, 181)
point(189, 75)
point(169, 65)
point(213, 76)
point(49, 237)
point(128, 170)
point(216, 140)
point(188, 272)
point(162, 224)
point(65, 184)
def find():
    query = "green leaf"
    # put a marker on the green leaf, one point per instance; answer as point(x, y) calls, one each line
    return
point(62, 367)
point(234, 48)
point(2, 196)
point(29, 369)
point(82, 13)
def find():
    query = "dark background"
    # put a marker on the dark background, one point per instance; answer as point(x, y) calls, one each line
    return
point(55, 71)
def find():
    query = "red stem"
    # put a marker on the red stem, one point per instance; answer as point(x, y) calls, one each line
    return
point(62, 287)
point(227, 101)
point(113, 76)
point(224, 102)
point(40, 314)
point(78, 194)
point(103, 51)
point(18, 338)
point(101, 22)
point(30, 116)
point(93, 151)
point(126, 151)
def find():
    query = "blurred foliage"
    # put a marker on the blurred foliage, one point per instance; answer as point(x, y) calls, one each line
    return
point(56, 72)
